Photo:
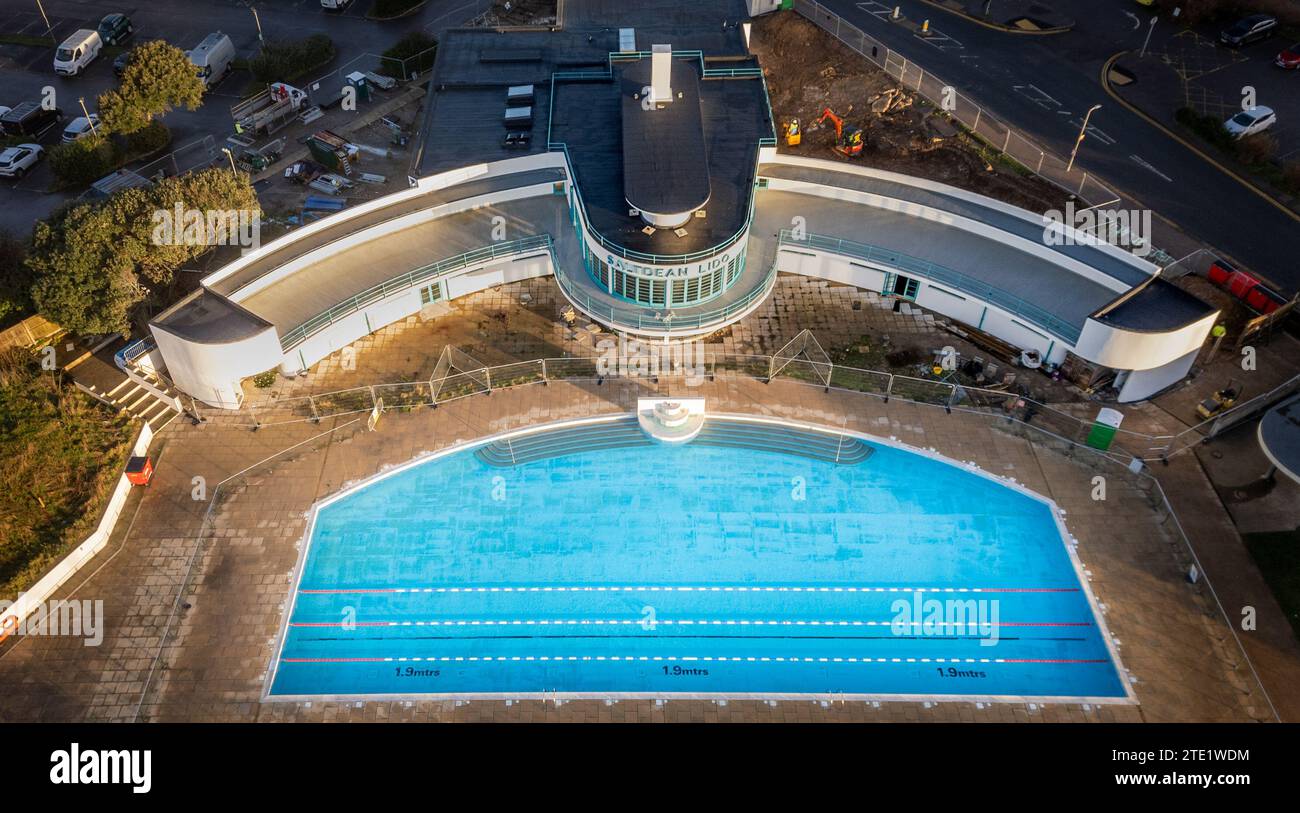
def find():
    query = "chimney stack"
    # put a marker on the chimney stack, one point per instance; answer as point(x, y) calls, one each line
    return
point(661, 72)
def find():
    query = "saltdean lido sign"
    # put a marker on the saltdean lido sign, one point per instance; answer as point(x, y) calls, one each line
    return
point(686, 271)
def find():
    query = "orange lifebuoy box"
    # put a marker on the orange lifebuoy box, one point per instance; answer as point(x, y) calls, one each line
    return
point(139, 471)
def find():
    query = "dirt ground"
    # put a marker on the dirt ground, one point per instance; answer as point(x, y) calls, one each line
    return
point(520, 12)
point(808, 70)
point(282, 198)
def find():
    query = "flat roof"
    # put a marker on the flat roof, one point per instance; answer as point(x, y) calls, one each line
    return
point(1279, 436)
point(208, 318)
point(665, 163)
point(1159, 306)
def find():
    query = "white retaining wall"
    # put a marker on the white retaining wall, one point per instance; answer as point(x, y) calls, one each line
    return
point(36, 595)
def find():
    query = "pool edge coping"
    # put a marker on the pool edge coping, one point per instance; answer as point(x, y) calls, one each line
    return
point(349, 488)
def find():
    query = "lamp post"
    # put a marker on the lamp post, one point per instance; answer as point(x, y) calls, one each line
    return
point(231, 156)
point(1083, 131)
point(1150, 29)
point(89, 120)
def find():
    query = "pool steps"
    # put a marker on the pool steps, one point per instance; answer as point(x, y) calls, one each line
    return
point(620, 434)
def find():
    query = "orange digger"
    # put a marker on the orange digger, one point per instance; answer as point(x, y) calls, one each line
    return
point(847, 142)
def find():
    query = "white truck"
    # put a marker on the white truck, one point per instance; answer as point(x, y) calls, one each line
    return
point(268, 111)
point(77, 51)
point(336, 5)
point(213, 58)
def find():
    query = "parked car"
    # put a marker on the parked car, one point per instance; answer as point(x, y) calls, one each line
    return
point(77, 51)
point(115, 28)
point(1249, 122)
point(119, 64)
point(30, 120)
point(80, 127)
point(1250, 29)
point(1289, 58)
point(15, 161)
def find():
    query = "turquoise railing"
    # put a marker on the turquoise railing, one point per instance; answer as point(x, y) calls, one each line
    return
point(402, 282)
point(660, 318)
point(940, 274)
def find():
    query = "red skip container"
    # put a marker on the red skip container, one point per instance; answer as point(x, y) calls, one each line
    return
point(139, 471)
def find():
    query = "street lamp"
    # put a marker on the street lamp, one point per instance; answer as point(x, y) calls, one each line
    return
point(1082, 132)
point(89, 120)
point(231, 156)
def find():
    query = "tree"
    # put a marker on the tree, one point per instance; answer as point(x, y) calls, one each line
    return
point(93, 262)
point(158, 77)
point(82, 280)
point(15, 278)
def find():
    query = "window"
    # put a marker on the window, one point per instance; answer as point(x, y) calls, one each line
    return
point(430, 294)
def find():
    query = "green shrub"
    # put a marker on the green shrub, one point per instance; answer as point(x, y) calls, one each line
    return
point(290, 60)
point(151, 139)
point(264, 380)
point(82, 162)
point(412, 54)
point(1208, 127)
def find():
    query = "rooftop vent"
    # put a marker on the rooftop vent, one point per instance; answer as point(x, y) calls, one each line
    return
point(661, 72)
point(627, 39)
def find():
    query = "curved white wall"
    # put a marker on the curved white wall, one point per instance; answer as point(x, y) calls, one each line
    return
point(1136, 350)
point(212, 372)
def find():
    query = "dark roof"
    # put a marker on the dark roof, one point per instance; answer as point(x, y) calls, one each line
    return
point(1158, 306)
point(1279, 435)
point(474, 67)
point(665, 164)
point(208, 318)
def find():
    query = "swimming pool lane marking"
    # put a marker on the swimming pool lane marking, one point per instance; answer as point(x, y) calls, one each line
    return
point(704, 622)
point(684, 589)
point(707, 658)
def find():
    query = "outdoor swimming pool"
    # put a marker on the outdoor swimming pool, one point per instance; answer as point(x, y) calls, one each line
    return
point(747, 563)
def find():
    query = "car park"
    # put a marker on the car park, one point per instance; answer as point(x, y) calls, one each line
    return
point(15, 161)
point(30, 120)
point(1250, 29)
point(115, 28)
point(1249, 122)
point(80, 127)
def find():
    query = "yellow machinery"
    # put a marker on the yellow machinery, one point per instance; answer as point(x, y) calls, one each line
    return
point(847, 143)
point(793, 135)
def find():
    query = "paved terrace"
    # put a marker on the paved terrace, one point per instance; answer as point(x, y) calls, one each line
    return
point(1171, 639)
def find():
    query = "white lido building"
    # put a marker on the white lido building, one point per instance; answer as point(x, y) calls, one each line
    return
point(632, 155)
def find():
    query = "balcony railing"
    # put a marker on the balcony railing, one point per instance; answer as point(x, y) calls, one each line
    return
point(402, 282)
point(942, 274)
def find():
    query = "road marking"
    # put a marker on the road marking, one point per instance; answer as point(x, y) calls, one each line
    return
point(1136, 22)
point(1036, 95)
point(1094, 131)
point(1137, 159)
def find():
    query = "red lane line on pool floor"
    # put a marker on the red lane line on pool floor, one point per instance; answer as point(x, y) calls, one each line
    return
point(634, 622)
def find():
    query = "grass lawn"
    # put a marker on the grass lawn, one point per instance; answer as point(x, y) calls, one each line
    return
point(1278, 557)
point(63, 453)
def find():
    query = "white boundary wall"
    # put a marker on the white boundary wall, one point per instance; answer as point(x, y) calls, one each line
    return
point(44, 588)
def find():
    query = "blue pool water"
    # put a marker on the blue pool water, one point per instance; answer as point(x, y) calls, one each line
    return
point(696, 569)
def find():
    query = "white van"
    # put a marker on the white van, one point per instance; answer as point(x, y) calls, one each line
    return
point(77, 51)
point(213, 57)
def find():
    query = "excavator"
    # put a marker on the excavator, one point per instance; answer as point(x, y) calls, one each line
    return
point(847, 143)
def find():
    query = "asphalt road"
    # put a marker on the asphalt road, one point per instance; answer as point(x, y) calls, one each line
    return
point(24, 70)
point(1043, 84)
